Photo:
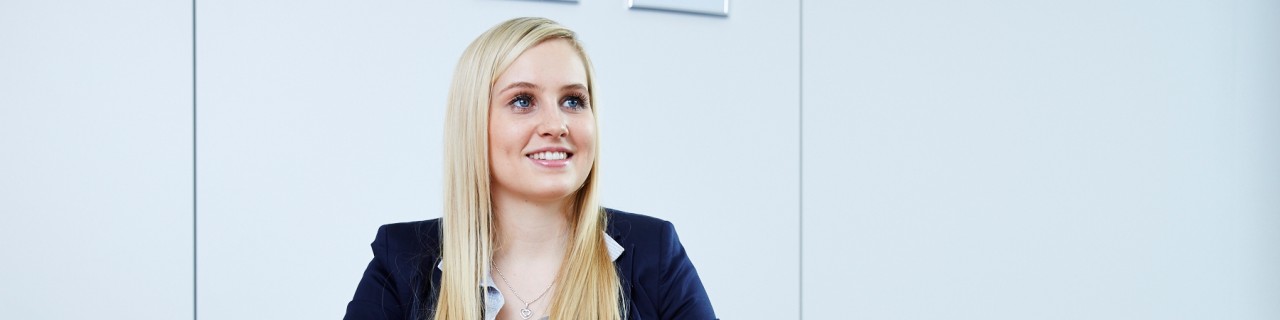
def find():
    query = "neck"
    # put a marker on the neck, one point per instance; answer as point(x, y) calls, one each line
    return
point(530, 230)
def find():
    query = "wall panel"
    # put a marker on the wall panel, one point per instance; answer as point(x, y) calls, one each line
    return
point(321, 121)
point(1044, 160)
point(95, 160)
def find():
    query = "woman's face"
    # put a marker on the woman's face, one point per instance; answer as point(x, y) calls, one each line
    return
point(541, 129)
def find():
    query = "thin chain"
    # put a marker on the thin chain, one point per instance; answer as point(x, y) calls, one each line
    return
point(513, 289)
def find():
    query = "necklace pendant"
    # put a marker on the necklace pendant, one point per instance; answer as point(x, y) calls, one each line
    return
point(525, 313)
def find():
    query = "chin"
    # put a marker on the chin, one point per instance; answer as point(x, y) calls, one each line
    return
point(554, 191)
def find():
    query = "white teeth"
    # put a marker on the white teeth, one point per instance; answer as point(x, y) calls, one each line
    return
point(549, 155)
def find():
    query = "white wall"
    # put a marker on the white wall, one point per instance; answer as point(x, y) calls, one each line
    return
point(1041, 160)
point(959, 160)
point(95, 160)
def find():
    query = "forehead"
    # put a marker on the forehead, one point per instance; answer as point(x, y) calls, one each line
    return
point(550, 64)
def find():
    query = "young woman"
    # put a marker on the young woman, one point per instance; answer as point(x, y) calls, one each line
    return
point(523, 235)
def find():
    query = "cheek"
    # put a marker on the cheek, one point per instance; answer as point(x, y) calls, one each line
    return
point(586, 138)
point(504, 139)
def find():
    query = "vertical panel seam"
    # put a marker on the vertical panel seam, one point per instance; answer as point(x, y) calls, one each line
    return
point(195, 302)
point(800, 157)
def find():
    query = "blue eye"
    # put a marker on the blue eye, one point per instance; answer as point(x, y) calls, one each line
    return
point(573, 103)
point(522, 102)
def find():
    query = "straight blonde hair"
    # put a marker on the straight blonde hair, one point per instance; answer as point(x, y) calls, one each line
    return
point(588, 285)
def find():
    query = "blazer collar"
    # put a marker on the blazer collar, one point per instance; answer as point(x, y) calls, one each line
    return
point(615, 251)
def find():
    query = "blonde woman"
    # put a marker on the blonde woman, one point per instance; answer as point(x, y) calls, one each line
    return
point(523, 235)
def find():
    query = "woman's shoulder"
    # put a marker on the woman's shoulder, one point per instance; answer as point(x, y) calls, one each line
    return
point(422, 226)
point(412, 238)
point(625, 221)
point(634, 228)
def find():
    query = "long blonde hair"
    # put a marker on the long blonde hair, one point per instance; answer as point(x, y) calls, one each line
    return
point(588, 285)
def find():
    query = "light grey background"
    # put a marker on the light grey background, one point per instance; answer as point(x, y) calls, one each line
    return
point(95, 160)
point(1042, 160)
point(961, 160)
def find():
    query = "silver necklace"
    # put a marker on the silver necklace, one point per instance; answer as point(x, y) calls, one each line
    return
point(525, 313)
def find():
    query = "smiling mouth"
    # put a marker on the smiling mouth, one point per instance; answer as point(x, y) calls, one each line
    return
point(549, 155)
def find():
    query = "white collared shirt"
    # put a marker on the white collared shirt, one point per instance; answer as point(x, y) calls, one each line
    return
point(493, 300)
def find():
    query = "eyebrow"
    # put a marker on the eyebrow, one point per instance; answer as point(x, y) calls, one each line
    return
point(527, 85)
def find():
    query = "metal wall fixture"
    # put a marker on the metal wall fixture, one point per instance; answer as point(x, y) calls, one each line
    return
point(719, 8)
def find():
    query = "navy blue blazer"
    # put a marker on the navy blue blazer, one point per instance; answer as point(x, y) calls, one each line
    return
point(658, 280)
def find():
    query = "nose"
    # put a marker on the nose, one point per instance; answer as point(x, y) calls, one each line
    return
point(553, 123)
